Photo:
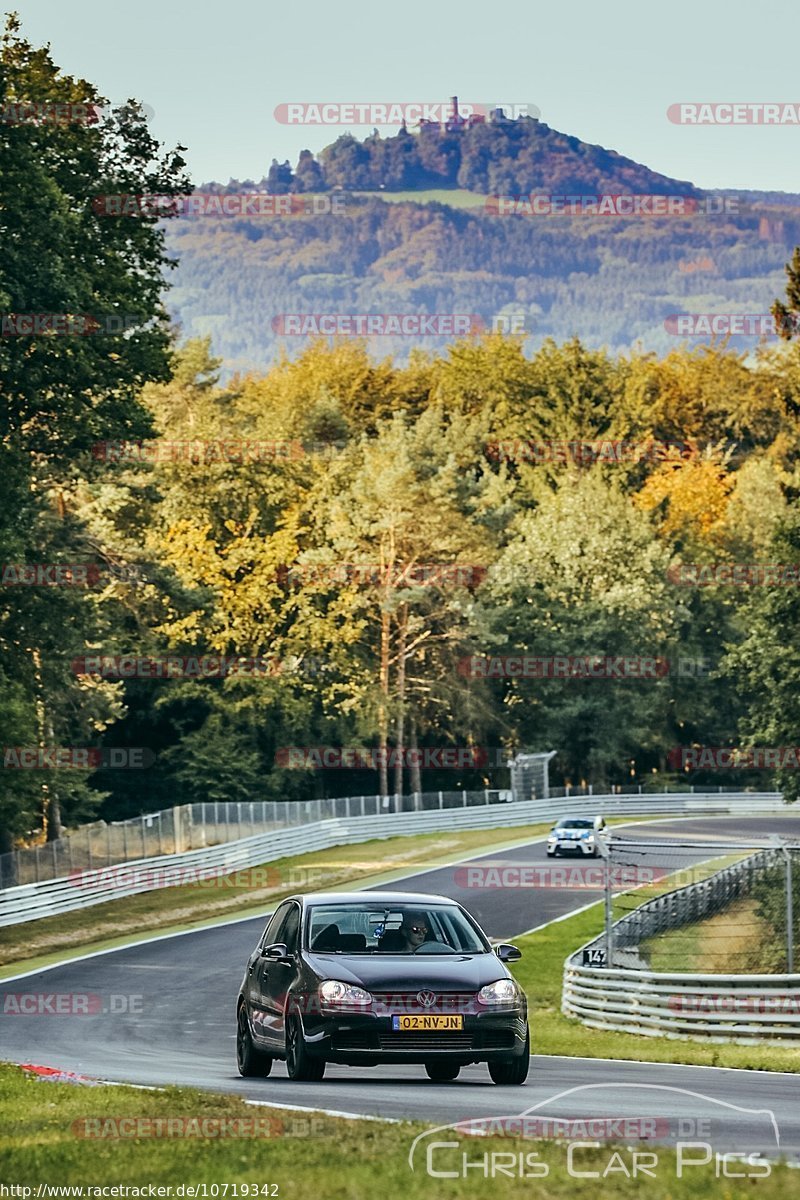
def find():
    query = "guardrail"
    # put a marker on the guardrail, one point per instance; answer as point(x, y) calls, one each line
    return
point(81, 889)
point(708, 1007)
point(715, 1008)
point(209, 823)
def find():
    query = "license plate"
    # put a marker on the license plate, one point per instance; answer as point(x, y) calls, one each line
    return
point(419, 1021)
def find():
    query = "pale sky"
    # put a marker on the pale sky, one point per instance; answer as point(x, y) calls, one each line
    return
point(214, 72)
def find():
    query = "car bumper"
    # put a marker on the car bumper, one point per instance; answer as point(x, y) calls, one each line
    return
point(586, 849)
point(365, 1038)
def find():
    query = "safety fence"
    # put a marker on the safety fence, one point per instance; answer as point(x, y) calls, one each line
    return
point(606, 988)
point(197, 826)
point(86, 886)
point(685, 905)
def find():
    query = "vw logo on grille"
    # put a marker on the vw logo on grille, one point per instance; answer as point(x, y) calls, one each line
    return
point(426, 999)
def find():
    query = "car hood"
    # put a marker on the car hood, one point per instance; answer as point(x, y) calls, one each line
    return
point(387, 972)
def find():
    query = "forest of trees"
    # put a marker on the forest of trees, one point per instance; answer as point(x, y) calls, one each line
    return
point(253, 526)
point(363, 527)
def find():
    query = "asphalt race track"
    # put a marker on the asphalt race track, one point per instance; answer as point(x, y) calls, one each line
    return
point(182, 1030)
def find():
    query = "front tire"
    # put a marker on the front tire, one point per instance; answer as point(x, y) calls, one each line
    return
point(442, 1072)
point(299, 1064)
point(249, 1060)
point(512, 1070)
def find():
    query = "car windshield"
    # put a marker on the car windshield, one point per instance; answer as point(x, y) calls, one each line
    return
point(392, 929)
point(576, 823)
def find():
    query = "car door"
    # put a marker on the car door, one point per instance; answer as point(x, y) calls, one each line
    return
point(279, 973)
point(255, 970)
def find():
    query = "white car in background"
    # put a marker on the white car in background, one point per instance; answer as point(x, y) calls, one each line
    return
point(577, 835)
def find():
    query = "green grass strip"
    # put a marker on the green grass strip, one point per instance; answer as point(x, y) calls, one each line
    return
point(61, 1135)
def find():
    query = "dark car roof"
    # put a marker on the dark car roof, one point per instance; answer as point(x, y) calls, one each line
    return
point(309, 898)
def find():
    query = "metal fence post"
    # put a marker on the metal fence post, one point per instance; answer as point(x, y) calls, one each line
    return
point(789, 912)
point(463, 798)
point(441, 802)
point(609, 914)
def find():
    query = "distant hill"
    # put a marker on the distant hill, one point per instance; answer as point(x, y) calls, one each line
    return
point(613, 280)
point(521, 155)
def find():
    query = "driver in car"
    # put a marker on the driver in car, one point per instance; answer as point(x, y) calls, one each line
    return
point(414, 931)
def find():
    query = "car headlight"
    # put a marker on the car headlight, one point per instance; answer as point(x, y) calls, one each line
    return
point(589, 836)
point(333, 991)
point(505, 991)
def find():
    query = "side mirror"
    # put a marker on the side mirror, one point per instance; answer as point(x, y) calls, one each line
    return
point(277, 950)
point(507, 953)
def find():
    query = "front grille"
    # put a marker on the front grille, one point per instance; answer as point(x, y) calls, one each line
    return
point(407, 1002)
point(355, 1041)
point(417, 1042)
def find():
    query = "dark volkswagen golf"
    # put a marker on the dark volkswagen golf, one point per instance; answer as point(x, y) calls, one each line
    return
point(380, 977)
